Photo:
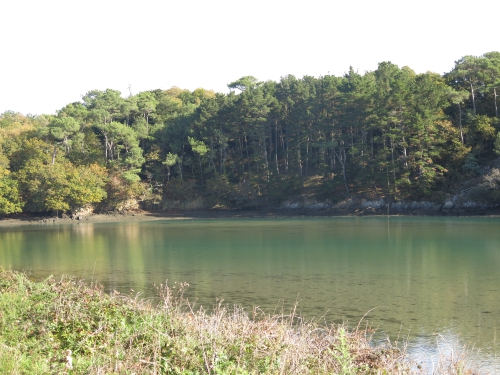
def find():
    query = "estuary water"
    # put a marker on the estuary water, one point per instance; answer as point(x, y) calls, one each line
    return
point(434, 281)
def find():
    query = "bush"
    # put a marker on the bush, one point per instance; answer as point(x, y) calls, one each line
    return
point(222, 193)
point(179, 190)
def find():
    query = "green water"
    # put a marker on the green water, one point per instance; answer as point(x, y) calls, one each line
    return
point(430, 278)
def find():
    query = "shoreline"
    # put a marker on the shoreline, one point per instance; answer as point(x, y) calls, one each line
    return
point(73, 325)
point(277, 213)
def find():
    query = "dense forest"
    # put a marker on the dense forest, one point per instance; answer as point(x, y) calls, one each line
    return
point(388, 133)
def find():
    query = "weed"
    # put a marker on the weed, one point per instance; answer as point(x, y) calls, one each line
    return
point(67, 326)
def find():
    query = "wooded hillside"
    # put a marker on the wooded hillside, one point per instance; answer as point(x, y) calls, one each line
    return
point(387, 133)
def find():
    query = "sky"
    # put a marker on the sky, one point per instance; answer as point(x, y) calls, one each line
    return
point(52, 52)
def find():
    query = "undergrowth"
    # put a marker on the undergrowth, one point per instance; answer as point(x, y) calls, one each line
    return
point(58, 326)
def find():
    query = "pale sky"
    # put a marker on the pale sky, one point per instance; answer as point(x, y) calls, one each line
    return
point(54, 51)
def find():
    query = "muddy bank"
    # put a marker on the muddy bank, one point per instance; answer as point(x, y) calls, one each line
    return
point(286, 210)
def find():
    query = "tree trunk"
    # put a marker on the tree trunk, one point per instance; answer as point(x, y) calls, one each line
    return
point(460, 123)
point(473, 98)
point(201, 172)
point(285, 142)
point(105, 147)
point(404, 154)
point(220, 161)
point(388, 179)
point(496, 105)
point(393, 163)
point(212, 157)
point(299, 160)
point(54, 154)
point(181, 164)
point(276, 150)
point(240, 143)
point(264, 150)
point(342, 156)
point(248, 157)
point(307, 156)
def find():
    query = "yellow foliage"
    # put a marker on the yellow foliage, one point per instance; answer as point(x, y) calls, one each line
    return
point(174, 91)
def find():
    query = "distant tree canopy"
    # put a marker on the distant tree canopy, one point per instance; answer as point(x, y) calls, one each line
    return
point(389, 132)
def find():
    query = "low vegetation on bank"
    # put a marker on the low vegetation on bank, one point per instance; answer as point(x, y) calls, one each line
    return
point(63, 325)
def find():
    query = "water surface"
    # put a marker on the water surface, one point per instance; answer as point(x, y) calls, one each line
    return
point(429, 278)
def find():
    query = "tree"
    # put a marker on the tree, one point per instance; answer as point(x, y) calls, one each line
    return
point(481, 135)
point(171, 160)
point(201, 149)
point(471, 164)
point(244, 83)
point(104, 106)
point(121, 144)
point(386, 132)
point(60, 186)
point(146, 103)
point(86, 184)
point(64, 131)
point(492, 75)
point(457, 98)
point(497, 144)
point(10, 198)
point(467, 74)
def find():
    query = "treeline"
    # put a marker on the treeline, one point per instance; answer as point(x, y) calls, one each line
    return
point(390, 132)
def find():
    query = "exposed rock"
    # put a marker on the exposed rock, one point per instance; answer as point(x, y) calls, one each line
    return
point(128, 205)
point(314, 205)
point(398, 206)
point(346, 203)
point(448, 205)
point(474, 205)
point(372, 204)
point(424, 205)
point(291, 205)
point(82, 211)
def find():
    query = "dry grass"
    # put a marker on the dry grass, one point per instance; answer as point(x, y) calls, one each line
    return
point(41, 322)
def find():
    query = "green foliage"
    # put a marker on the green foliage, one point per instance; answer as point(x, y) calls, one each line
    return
point(481, 134)
point(42, 320)
point(10, 199)
point(171, 160)
point(497, 144)
point(279, 189)
point(221, 193)
point(488, 188)
point(86, 184)
point(470, 163)
point(30, 149)
point(198, 146)
point(389, 132)
point(146, 104)
point(60, 186)
point(62, 128)
point(179, 190)
point(246, 82)
point(124, 191)
point(86, 150)
point(342, 354)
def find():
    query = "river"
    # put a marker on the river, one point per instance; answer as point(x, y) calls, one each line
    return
point(433, 280)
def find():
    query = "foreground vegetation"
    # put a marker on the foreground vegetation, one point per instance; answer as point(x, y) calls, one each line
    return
point(66, 326)
point(389, 133)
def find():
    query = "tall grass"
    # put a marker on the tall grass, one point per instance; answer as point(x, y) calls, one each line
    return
point(66, 326)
